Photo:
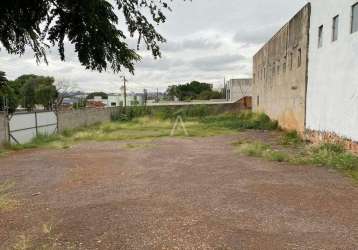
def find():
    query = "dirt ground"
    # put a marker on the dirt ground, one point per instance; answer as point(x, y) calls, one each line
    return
point(173, 193)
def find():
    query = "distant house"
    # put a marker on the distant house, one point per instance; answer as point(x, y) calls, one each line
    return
point(95, 104)
point(237, 89)
point(117, 100)
point(114, 100)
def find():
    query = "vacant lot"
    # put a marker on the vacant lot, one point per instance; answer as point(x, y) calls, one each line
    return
point(161, 192)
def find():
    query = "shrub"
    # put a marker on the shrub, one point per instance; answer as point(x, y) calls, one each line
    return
point(252, 120)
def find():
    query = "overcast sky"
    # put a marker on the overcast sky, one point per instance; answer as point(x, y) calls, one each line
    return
point(207, 41)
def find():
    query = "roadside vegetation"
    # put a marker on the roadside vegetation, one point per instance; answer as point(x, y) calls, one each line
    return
point(293, 150)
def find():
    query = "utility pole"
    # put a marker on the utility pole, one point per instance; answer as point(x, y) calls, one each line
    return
point(124, 90)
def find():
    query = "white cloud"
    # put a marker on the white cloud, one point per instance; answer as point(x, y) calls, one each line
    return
point(207, 41)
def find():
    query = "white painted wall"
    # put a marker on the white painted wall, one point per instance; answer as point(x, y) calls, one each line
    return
point(332, 94)
point(238, 88)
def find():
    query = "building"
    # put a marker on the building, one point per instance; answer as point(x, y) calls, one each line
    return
point(280, 73)
point(236, 89)
point(306, 76)
point(114, 100)
point(332, 94)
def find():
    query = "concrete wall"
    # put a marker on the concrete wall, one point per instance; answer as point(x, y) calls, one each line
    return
point(82, 117)
point(3, 129)
point(332, 95)
point(279, 89)
point(238, 88)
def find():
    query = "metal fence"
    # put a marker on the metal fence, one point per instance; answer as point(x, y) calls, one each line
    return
point(23, 127)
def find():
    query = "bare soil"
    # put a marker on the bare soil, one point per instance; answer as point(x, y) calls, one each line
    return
point(174, 193)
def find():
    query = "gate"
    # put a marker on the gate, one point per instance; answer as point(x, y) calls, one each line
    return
point(23, 127)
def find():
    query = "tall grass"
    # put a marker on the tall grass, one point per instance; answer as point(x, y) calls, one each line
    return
point(326, 155)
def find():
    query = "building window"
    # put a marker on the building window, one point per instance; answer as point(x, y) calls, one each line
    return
point(284, 67)
point(265, 73)
point(258, 100)
point(354, 18)
point(320, 36)
point(273, 69)
point(335, 28)
point(278, 69)
point(291, 61)
point(299, 60)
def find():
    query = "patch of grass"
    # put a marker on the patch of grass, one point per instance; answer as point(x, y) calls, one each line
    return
point(258, 149)
point(23, 243)
point(6, 202)
point(45, 239)
point(291, 138)
point(3, 152)
point(276, 155)
point(327, 155)
point(244, 120)
point(196, 121)
point(334, 155)
point(134, 146)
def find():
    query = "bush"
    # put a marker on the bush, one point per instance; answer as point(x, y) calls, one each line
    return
point(250, 120)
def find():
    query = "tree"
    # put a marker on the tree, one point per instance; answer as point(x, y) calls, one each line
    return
point(33, 89)
point(191, 91)
point(46, 95)
point(64, 90)
point(90, 25)
point(101, 94)
point(28, 92)
point(7, 95)
point(3, 79)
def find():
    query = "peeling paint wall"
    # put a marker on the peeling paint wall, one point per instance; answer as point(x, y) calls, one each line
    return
point(280, 73)
point(332, 95)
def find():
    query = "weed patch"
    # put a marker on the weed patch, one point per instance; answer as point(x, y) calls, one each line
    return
point(291, 138)
point(6, 202)
point(326, 155)
point(245, 120)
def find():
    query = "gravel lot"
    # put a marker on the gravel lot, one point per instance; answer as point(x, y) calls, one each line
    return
point(173, 193)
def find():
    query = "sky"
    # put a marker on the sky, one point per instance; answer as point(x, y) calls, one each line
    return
point(207, 40)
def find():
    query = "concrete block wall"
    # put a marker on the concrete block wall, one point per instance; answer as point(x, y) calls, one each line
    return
point(3, 129)
point(83, 117)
